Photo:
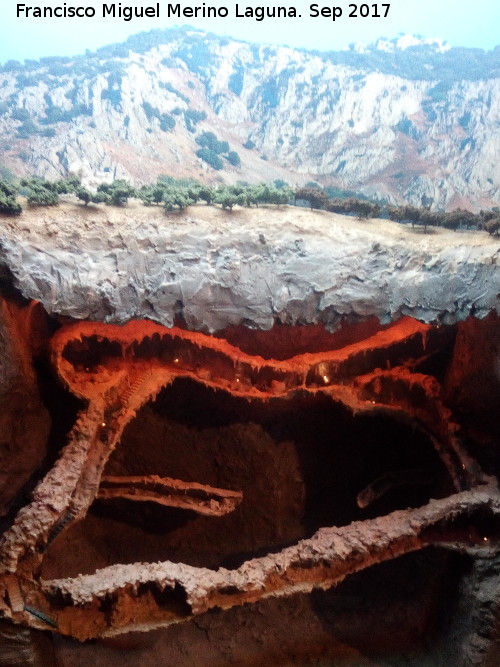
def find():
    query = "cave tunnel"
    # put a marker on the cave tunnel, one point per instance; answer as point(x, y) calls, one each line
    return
point(300, 463)
point(303, 460)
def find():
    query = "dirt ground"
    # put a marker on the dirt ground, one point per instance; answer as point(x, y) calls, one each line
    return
point(95, 225)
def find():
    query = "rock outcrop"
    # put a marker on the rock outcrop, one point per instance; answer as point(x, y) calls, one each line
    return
point(417, 124)
point(24, 420)
point(212, 269)
point(342, 483)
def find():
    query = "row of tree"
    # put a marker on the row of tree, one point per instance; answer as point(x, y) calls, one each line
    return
point(166, 192)
point(180, 193)
point(487, 220)
point(451, 220)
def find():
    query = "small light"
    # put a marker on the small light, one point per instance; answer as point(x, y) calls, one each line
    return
point(237, 379)
point(103, 424)
point(326, 378)
point(373, 402)
point(176, 361)
point(485, 539)
point(463, 466)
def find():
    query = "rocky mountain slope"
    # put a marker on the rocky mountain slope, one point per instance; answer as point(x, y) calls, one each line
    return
point(404, 120)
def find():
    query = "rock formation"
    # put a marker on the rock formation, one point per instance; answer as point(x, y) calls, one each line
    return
point(414, 122)
point(255, 267)
point(206, 472)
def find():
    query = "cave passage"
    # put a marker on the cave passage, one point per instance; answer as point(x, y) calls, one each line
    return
point(194, 463)
point(299, 464)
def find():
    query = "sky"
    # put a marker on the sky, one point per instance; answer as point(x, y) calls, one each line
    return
point(460, 22)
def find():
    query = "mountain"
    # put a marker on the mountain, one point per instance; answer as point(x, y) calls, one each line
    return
point(405, 119)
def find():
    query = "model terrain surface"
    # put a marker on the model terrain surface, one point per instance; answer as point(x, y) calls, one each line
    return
point(259, 434)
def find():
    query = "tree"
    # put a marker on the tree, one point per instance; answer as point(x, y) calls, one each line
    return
point(227, 198)
point(404, 214)
point(360, 207)
point(337, 206)
point(40, 192)
point(395, 213)
point(210, 141)
point(486, 216)
point(210, 158)
point(493, 226)
point(8, 203)
point(457, 217)
point(117, 192)
point(157, 193)
point(42, 197)
point(84, 195)
point(206, 194)
point(145, 194)
point(177, 196)
point(427, 218)
point(67, 185)
point(233, 158)
point(316, 197)
point(279, 196)
point(100, 198)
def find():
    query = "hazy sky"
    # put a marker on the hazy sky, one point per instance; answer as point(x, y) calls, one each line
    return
point(460, 22)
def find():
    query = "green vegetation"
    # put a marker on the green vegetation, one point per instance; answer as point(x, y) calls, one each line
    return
point(362, 208)
point(211, 150)
point(55, 114)
point(210, 158)
point(8, 203)
point(192, 118)
point(210, 141)
point(427, 218)
point(316, 197)
point(423, 63)
point(407, 127)
point(233, 158)
point(493, 226)
point(171, 89)
point(116, 193)
point(269, 92)
point(229, 197)
point(236, 80)
point(172, 194)
point(40, 192)
point(6, 174)
point(167, 122)
point(28, 128)
point(113, 92)
point(195, 52)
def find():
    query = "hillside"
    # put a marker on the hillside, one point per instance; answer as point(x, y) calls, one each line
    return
point(401, 120)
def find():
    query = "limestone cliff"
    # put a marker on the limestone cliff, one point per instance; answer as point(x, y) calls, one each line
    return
point(418, 123)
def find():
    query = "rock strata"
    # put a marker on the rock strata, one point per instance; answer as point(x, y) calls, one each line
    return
point(211, 269)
